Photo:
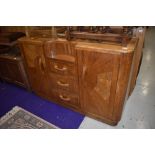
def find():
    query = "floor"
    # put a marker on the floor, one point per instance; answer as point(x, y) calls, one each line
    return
point(12, 95)
point(139, 111)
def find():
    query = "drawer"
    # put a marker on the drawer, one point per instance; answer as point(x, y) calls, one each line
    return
point(68, 83)
point(60, 67)
point(65, 98)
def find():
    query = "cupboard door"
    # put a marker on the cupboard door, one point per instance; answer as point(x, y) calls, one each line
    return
point(35, 64)
point(98, 74)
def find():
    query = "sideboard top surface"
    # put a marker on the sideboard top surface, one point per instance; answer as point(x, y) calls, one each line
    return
point(87, 45)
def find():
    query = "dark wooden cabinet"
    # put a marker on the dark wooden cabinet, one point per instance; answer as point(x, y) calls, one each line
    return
point(12, 70)
point(91, 78)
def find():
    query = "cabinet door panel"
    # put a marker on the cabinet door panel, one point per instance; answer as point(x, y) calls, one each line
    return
point(98, 77)
point(35, 64)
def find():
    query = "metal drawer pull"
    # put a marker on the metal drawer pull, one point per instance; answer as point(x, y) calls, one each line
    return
point(60, 69)
point(65, 98)
point(62, 84)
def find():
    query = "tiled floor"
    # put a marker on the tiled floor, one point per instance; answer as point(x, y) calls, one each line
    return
point(139, 111)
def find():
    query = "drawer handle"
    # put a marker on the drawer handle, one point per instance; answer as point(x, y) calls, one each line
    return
point(60, 69)
point(65, 98)
point(62, 84)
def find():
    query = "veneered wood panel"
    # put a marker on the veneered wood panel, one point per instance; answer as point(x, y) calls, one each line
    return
point(36, 67)
point(123, 84)
point(98, 78)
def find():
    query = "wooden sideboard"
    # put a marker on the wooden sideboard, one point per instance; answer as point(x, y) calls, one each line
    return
point(89, 77)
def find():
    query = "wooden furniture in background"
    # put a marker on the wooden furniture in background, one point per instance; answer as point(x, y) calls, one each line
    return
point(11, 63)
point(34, 31)
point(12, 29)
point(100, 33)
point(12, 69)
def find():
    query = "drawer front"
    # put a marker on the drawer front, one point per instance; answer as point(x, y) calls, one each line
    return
point(68, 83)
point(63, 68)
point(65, 98)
